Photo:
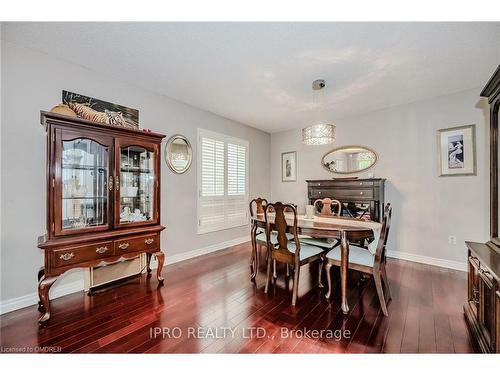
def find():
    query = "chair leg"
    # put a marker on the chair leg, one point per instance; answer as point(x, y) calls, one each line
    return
point(328, 267)
point(275, 275)
point(296, 272)
point(380, 291)
point(268, 275)
point(386, 282)
point(320, 273)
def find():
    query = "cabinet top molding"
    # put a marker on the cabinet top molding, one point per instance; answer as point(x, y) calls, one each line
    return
point(492, 88)
point(56, 118)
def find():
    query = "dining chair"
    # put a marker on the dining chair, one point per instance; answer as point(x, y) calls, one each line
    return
point(257, 236)
point(326, 209)
point(362, 260)
point(288, 251)
point(328, 206)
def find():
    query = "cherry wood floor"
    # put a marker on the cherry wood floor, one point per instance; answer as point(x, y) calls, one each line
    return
point(214, 291)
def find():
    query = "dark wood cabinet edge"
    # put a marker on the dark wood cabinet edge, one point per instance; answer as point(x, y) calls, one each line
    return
point(333, 179)
point(492, 87)
point(56, 118)
point(475, 330)
point(483, 262)
point(64, 241)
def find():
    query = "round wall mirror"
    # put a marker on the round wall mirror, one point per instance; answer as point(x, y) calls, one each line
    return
point(349, 159)
point(178, 154)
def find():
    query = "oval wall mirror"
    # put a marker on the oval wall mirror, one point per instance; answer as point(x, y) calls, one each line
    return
point(178, 154)
point(349, 159)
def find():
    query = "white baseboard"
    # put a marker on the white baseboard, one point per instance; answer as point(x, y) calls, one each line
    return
point(205, 250)
point(454, 265)
point(76, 286)
point(32, 298)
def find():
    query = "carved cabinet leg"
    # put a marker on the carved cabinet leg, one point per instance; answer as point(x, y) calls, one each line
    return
point(43, 293)
point(148, 263)
point(160, 257)
point(41, 273)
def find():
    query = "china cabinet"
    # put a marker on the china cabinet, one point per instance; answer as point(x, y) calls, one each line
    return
point(482, 309)
point(103, 198)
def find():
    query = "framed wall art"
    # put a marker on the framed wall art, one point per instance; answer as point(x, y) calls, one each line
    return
point(289, 166)
point(457, 151)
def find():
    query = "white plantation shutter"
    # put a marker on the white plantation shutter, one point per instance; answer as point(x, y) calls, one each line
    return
point(223, 181)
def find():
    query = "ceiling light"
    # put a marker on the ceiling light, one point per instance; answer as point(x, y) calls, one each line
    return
point(321, 133)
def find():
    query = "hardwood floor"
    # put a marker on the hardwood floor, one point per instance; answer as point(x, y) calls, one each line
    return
point(214, 291)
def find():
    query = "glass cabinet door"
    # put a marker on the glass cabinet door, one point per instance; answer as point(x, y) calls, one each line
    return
point(83, 184)
point(136, 184)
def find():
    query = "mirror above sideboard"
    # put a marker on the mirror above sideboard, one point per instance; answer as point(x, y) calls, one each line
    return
point(349, 159)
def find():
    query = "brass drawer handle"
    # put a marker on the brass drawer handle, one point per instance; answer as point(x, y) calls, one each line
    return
point(110, 184)
point(360, 193)
point(475, 297)
point(101, 250)
point(149, 241)
point(123, 246)
point(67, 256)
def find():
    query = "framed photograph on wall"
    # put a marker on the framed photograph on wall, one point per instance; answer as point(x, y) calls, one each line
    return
point(457, 151)
point(289, 166)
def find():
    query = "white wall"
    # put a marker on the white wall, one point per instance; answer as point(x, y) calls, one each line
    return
point(427, 208)
point(31, 82)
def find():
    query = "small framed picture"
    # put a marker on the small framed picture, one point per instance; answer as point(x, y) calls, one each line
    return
point(457, 151)
point(289, 166)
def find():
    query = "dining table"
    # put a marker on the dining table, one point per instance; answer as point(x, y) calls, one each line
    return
point(341, 228)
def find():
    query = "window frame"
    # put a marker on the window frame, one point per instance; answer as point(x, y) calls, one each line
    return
point(226, 197)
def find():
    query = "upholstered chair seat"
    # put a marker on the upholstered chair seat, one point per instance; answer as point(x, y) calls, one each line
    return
point(306, 251)
point(324, 243)
point(274, 237)
point(357, 255)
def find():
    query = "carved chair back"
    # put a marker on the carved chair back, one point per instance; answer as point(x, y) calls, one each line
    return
point(384, 234)
point(281, 251)
point(326, 206)
point(260, 204)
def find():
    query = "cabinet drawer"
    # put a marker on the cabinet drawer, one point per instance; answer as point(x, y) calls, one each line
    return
point(343, 194)
point(80, 254)
point(139, 243)
point(341, 184)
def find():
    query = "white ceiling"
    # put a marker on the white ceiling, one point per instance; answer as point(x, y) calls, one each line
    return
point(261, 73)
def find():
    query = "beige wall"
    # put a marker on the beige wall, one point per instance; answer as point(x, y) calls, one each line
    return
point(32, 81)
point(427, 208)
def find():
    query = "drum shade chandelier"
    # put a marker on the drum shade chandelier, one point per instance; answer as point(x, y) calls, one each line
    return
point(321, 133)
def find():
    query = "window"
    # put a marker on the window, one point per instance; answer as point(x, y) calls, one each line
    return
point(222, 181)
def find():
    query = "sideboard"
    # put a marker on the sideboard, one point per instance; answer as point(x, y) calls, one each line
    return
point(482, 308)
point(360, 198)
point(103, 198)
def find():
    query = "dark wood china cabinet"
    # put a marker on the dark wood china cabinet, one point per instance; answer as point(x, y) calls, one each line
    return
point(482, 309)
point(103, 198)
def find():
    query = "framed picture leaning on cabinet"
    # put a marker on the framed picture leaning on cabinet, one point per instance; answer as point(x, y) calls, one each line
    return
point(457, 151)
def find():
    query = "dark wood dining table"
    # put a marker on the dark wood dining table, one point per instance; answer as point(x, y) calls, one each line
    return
point(321, 227)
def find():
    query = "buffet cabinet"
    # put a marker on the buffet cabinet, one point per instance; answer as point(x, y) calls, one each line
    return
point(103, 198)
point(482, 309)
point(360, 198)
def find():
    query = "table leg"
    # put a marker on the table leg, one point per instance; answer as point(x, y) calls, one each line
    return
point(344, 248)
point(253, 258)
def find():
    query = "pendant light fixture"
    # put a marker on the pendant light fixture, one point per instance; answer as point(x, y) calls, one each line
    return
point(321, 133)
